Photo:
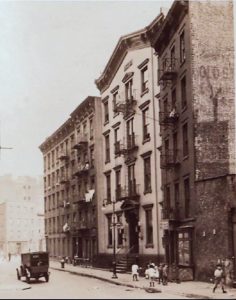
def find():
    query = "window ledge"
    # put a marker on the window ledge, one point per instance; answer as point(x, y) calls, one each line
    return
point(106, 122)
point(109, 246)
point(107, 161)
point(149, 246)
point(144, 92)
point(115, 114)
point(185, 157)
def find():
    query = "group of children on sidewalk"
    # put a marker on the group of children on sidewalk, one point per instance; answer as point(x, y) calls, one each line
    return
point(152, 272)
point(160, 274)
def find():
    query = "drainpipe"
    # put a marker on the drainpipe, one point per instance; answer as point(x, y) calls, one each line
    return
point(155, 151)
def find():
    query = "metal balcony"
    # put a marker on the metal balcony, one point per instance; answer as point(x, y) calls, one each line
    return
point(169, 159)
point(128, 192)
point(170, 214)
point(168, 72)
point(63, 179)
point(82, 142)
point(63, 155)
point(168, 118)
point(82, 169)
point(126, 107)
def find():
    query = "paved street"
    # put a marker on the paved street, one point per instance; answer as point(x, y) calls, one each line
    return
point(66, 285)
point(69, 283)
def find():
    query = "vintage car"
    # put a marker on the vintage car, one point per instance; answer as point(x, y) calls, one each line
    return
point(34, 265)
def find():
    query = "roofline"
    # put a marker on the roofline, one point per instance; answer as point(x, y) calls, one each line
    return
point(125, 39)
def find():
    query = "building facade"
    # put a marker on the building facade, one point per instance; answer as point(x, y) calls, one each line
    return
point(129, 218)
point(197, 119)
point(22, 219)
point(71, 170)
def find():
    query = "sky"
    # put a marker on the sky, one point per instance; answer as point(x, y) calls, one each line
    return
point(51, 52)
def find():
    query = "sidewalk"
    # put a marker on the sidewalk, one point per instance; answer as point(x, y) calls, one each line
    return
point(190, 289)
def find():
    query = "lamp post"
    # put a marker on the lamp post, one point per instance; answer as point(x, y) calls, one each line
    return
point(113, 224)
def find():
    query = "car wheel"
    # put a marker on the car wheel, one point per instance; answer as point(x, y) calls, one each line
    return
point(18, 274)
point(27, 279)
point(46, 277)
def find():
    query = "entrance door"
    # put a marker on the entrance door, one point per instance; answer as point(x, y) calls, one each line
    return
point(133, 233)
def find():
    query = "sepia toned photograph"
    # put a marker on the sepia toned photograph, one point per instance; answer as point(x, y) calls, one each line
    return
point(117, 149)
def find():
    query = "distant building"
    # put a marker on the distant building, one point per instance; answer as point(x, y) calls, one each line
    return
point(71, 180)
point(21, 210)
point(130, 161)
point(195, 46)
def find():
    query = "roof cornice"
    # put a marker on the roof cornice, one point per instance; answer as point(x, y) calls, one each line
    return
point(136, 40)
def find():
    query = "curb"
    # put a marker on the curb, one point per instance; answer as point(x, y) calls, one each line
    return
point(194, 296)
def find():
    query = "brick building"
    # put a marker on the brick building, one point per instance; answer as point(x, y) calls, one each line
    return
point(197, 116)
point(71, 179)
point(131, 161)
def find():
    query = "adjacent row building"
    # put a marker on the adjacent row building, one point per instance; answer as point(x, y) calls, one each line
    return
point(147, 170)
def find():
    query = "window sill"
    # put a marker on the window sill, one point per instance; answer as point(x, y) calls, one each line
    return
point(116, 114)
point(185, 157)
point(149, 246)
point(107, 161)
point(106, 122)
point(109, 246)
point(184, 109)
point(144, 92)
point(182, 63)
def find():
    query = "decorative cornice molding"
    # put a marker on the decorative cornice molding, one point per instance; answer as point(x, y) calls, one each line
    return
point(105, 99)
point(143, 63)
point(144, 104)
point(146, 154)
point(115, 89)
point(118, 167)
point(116, 124)
point(106, 132)
point(127, 76)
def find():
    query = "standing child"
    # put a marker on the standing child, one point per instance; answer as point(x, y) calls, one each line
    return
point(219, 278)
point(135, 269)
point(165, 274)
point(151, 274)
point(160, 268)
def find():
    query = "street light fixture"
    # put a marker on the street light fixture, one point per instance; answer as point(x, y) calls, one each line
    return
point(113, 224)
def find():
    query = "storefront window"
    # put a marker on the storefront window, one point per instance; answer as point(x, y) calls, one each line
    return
point(184, 248)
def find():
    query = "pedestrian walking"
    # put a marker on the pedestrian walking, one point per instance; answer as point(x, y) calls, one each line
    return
point(165, 274)
point(9, 256)
point(135, 269)
point(219, 278)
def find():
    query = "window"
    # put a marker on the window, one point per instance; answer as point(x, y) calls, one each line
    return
point(175, 146)
point(91, 128)
point(186, 197)
point(172, 58)
point(85, 128)
point(109, 230)
point(108, 186)
point(184, 248)
point(131, 180)
point(176, 197)
point(128, 90)
point(115, 97)
point(183, 92)
point(119, 231)
point(167, 203)
point(185, 140)
point(182, 47)
point(117, 141)
point(149, 227)
point(147, 175)
point(144, 79)
point(173, 98)
point(118, 184)
point(92, 156)
point(130, 134)
point(146, 134)
point(106, 112)
point(107, 148)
